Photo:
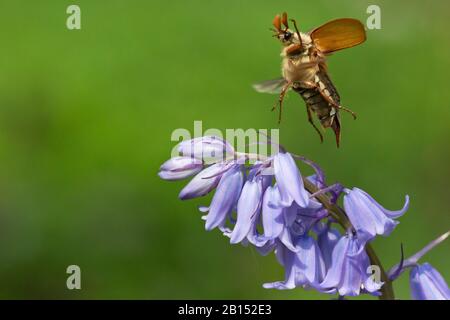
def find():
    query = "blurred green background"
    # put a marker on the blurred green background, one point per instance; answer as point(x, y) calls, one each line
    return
point(86, 118)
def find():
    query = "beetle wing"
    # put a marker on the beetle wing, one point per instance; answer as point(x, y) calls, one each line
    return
point(270, 86)
point(338, 34)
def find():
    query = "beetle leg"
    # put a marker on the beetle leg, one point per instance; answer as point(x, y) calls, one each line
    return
point(310, 119)
point(294, 49)
point(348, 110)
point(281, 99)
point(333, 103)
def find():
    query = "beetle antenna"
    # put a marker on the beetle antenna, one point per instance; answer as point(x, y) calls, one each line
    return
point(296, 30)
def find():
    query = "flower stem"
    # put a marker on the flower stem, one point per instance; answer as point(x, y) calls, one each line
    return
point(387, 291)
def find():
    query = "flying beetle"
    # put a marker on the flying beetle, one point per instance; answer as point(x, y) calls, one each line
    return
point(304, 67)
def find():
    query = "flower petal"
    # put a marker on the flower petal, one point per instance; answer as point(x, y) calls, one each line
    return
point(287, 260)
point(225, 198)
point(428, 284)
point(327, 240)
point(266, 248)
point(178, 168)
point(177, 175)
point(360, 218)
point(272, 218)
point(207, 148)
point(310, 259)
point(286, 239)
point(247, 208)
point(181, 163)
point(389, 213)
point(350, 284)
point(289, 181)
point(333, 277)
point(367, 216)
point(202, 183)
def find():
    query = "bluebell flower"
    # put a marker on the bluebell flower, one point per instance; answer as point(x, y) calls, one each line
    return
point(272, 211)
point(301, 220)
point(428, 284)
point(248, 208)
point(274, 218)
point(368, 217)
point(204, 182)
point(257, 238)
point(289, 180)
point(210, 149)
point(348, 273)
point(304, 268)
point(248, 212)
point(225, 198)
point(311, 265)
point(178, 168)
point(272, 215)
point(285, 223)
point(327, 239)
point(286, 258)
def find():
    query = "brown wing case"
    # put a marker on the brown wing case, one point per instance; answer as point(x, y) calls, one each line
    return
point(338, 34)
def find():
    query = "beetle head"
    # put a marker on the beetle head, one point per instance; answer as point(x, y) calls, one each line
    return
point(282, 32)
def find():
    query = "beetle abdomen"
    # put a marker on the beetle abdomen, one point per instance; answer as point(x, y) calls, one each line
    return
point(314, 99)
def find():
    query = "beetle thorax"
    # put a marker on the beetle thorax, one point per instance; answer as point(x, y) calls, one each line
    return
point(301, 67)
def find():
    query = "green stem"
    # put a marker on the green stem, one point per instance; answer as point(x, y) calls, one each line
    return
point(387, 291)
